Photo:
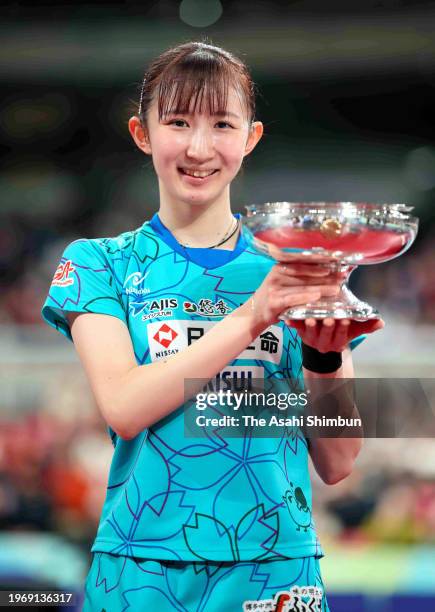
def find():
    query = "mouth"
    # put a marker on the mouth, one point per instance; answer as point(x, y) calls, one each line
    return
point(200, 176)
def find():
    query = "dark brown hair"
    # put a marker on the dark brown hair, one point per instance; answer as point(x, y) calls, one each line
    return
point(198, 72)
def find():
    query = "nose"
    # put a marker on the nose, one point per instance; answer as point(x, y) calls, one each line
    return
point(201, 146)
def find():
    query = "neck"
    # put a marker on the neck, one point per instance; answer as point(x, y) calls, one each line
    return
point(199, 226)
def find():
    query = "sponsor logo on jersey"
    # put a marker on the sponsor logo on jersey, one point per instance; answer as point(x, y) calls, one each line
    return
point(165, 335)
point(235, 378)
point(162, 304)
point(159, 308)
point(136, 279)
point(160, 314)
point(289, 601)
point(207, 308)
point(269, 342)
point(267, 346)
point(153, 308)
point(62, 277)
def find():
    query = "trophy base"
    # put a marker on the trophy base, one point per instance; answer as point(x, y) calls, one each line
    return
point(342, 306)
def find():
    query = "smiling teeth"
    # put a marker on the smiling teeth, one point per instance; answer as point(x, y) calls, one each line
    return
point(198, 174)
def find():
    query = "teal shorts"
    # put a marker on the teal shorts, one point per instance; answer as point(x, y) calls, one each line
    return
point(116, 583)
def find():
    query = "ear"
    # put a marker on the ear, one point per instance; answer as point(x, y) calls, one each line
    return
point(255, 133)
point(139, 134)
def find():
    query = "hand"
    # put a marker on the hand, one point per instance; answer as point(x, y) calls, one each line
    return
point(292, 284)
point(332, 334)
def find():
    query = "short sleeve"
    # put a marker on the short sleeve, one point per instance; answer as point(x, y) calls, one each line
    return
point(83, 282)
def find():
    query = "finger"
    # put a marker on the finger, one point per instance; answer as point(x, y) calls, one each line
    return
point(288, 299)
point(299, 256)
point(329, 290)
point(341, 336)
point(293, 281)
point(324, 290)
point(290, 280)
point(309, 273)
point(310, 335)
point(299, 269)
point(326, 332)
point(294, 289)
point(364, 327)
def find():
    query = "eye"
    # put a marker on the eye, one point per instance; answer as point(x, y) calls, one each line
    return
point(174, 121)
point(224, 123)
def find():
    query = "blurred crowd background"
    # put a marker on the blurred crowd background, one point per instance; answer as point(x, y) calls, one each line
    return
point(346, 94)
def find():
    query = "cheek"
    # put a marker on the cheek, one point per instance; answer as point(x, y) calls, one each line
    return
point(234, 150)
point(235, 160)
point(164, 151)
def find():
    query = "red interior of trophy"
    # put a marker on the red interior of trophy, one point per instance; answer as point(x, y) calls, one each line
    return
point(374, 245)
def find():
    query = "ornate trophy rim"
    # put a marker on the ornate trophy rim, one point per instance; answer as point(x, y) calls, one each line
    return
point(398, 209)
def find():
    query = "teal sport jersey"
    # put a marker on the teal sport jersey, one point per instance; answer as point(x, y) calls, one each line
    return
point(170, 496)
point(121, 584)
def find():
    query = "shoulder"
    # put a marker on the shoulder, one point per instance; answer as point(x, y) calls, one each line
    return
point(107, 247)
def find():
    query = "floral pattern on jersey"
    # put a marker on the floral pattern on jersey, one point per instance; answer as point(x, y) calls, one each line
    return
point(169, 496)
point(263, 530)
point(122, 584)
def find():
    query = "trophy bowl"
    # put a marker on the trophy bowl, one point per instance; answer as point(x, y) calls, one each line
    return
point(339, 235)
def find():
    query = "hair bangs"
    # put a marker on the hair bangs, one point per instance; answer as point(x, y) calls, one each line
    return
point(200, 83)
point(196, 77)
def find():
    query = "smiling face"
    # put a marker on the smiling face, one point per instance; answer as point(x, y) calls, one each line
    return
point(196, 154)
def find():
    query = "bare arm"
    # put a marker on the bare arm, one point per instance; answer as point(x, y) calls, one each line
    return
point(132, 397)
point(333, 458)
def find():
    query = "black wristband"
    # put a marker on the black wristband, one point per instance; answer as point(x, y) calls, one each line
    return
point(322, 363)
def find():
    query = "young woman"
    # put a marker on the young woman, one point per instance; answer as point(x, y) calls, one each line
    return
point(206, 523)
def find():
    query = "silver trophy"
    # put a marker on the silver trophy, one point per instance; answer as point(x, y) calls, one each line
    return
point(339, 235)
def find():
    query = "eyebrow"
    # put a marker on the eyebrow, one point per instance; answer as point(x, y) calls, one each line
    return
point(173, 111)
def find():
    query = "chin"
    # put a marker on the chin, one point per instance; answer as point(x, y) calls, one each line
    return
point(200, 202)
point(199, 199)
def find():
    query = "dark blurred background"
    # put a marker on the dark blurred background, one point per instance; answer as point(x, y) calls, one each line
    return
point(346, 94)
